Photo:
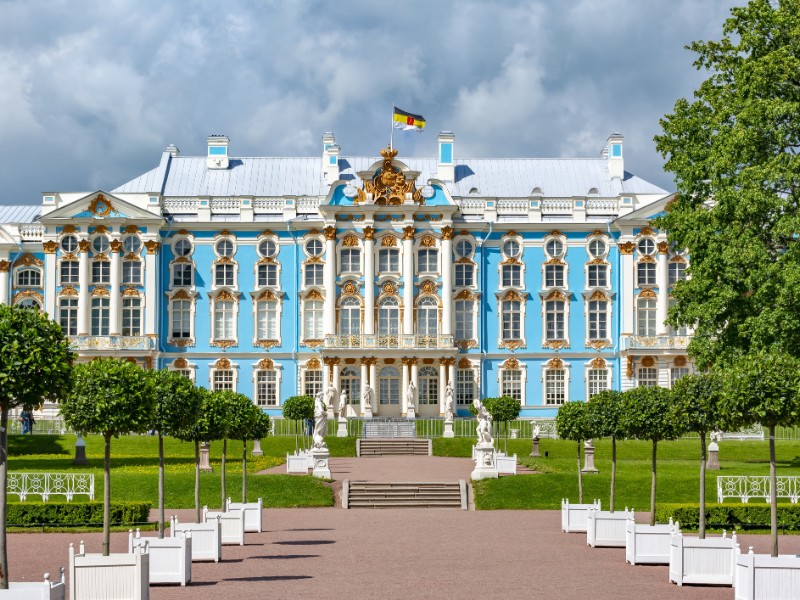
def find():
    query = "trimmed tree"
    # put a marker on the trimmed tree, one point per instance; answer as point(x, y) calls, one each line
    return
point(603, 413)
point(176, 407)
point(35, 366)
point(696, 407)
point(503, 410)
point(298, 409)
point(764, 388)
point(218, 411)
point(248, 422)
point(111, 397)
point(646, 416)
point(572, 424)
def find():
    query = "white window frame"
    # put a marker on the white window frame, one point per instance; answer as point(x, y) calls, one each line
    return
point(606, 267)
point(428, 383)
point(267, 266)
point(179, 296)
point(547, 369)
point(462, 381)
point(523, 379)
point(132, 261)
point(278, 314)
point(316, 267)
point(214, 303)
point(436, 270)
point(74, 277)
point(213, 370)
point(100, 309)
point(173, 267)
point(189, 371)
point(320, 334)
point(28, 269)
point(359, 267)
point(465, 266)
point(589, 369)
point(276, 371)
point(650, 312)
point(72, 315)
point(652, 381)
point(389, 252)
point(565, 275)
point(650, 268)
point(472, 319)
point(315, 386)
point(130, 309)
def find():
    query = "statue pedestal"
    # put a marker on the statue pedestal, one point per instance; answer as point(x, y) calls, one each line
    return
point(535, 452)
point(712, 464)
point(257, 451)
point(204, 464)
point(329, 413)
point(448, 429)
point(588, 459)
point(80, 451)
point(411, 413)
point(320, 458)
point(485, 462)
point(368, 411)
point(341, 431)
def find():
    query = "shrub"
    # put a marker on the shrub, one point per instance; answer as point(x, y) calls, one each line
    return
point(731, 516)
point(38, 514)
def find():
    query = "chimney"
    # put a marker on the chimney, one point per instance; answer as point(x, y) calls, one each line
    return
point(613, 154)
point(446, 165)
point(330, 158)
point(217, 152)
point(173, 150)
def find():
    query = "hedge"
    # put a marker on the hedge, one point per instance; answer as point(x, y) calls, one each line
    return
point(30, 514)
point(730, 516)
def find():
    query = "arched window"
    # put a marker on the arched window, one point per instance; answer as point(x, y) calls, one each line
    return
point(29, 303)
point(29, 277)
point(428, 386)
point(350, 317)
point(389, 316)
point(350, 382)
point(389, 386)
point(428, 317)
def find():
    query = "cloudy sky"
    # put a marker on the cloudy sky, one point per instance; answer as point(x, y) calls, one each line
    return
point(92, 92)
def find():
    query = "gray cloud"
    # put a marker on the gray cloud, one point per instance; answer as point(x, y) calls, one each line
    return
point(92, 92)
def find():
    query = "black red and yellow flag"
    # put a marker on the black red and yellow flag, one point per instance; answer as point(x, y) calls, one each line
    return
point(407, 121)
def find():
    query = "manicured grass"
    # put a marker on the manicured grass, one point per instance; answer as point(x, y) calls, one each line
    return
point(134, 469)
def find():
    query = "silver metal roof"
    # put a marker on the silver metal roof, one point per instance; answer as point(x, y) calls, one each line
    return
point(502, 178)
point(20, 214)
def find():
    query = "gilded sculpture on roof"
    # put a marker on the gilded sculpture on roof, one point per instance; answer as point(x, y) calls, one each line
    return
point(389, 187)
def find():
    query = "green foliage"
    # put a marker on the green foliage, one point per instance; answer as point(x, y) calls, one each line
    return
point(646, 414)
point(35, 359)
point(110, 396)
point(571, 422)
point(731, 516)
point(733, 149)
point(31, 514)
point(503, 408)
point(242, 415)
point(604, 414)
point(214, 421)
point(763, 388)
point(298, 408)
point(696, 403)
point(177, 402)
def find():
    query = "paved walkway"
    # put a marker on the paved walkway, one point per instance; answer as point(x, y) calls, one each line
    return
point(391, 554)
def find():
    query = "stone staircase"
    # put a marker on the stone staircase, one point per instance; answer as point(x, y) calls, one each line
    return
point(372, 494)
point(393, 447)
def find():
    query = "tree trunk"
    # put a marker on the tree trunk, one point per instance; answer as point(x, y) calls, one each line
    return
point(653, 486)
point(197, 480)
point(613, 470)
point(3, 496)
point(107, 495)
point(702, 528)
point(773, 495)
point(244, 471)
point(222, 475)
point(160, 486)
point(580, 476)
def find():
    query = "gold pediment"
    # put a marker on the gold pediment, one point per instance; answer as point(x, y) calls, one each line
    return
point(389, 186)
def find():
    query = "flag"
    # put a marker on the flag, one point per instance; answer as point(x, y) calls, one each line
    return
point(406, 121)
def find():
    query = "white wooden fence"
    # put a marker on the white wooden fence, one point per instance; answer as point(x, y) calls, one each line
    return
point(51, 484)
point(745, 487)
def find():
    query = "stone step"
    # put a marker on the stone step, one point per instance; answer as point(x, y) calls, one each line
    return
point(404, 494)
point(404, 504)
point(393, 447)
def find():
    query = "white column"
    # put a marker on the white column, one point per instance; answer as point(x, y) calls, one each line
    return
point(329, 277)
point(662, 279)
point(404, 386)
point(114, 317)
point(5, 270)
point(415, 373)
point(151, 300)
point(369, 281)
point(336, 380)
point(364, 373)
point(626, 301)
point(50, 273)
point(442, 384)
point(83, 292)
point(408, 281)
point(373, 381)
point(447, 280)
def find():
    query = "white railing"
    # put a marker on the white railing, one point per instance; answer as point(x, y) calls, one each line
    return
point(512, 207)
point(308, 205)
point(745, 487)
point(51, 484)
point(559, 207)
point(180, 205)
point(269, 205)
point(472, 207)
point(225, 205)
point(31, 233)
point(601, 207)
point(389, 341)
point(658, 342)
point(111, 342)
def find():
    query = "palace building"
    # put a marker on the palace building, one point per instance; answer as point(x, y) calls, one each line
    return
point(541, 279)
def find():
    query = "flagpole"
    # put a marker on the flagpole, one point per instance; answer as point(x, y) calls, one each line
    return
point(391, 129)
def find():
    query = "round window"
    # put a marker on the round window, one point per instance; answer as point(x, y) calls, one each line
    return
point(131, 244)
point(314, 247)
point(463, 248)
point(597, 248)
point(646, 246)
point(224, 248)
point(554, 248)
point(69, 243)
point(512, 248)
point(267, 248)
point(182, 248)
point(100, 244)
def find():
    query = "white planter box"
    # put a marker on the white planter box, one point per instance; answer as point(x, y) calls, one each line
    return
point(763, 577)
point(708, 562)
point(252, 514)
point(648, 544)
point(35, 590)
point(170, 558)
point(506, 465)
point(206, 538)
point(606, 529)
point(232, 524)
point(297, 463)
point(573, 516)
point(117, 576)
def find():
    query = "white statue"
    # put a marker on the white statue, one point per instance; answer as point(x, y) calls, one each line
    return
point(366, 400)
point(330, 396)
point(536, 430)
point(411, 395)
point(342, 401)
point(716, 436)
point(320, 420)
point(484, 425)
point(449, 400)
